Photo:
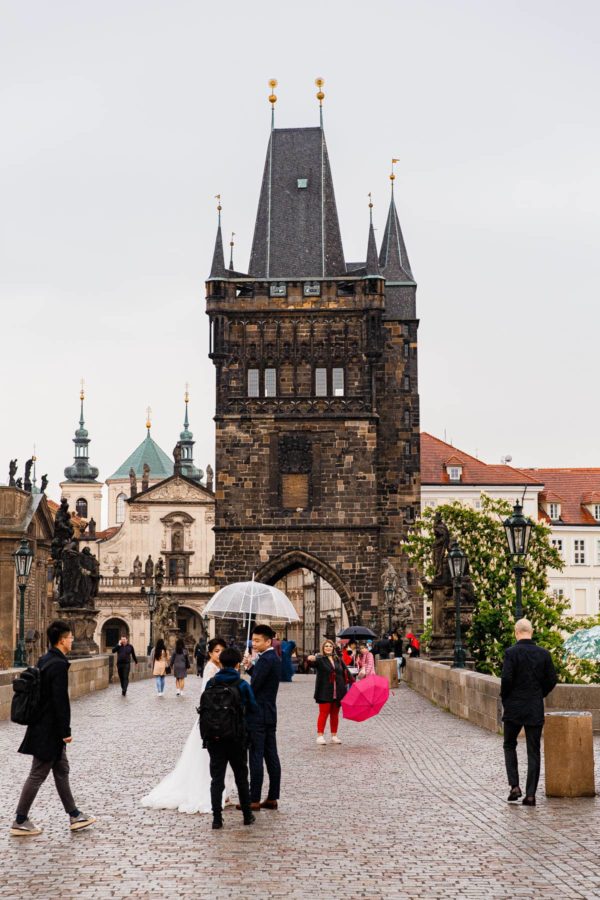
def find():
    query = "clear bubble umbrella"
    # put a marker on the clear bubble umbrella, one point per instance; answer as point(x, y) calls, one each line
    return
point(585, 643)
point(251, 599)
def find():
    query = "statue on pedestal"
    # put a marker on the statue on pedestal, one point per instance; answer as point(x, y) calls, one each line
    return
point(12, 469)
point(149, 567)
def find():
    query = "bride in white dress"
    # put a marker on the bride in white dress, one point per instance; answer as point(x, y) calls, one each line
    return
point(187, 787)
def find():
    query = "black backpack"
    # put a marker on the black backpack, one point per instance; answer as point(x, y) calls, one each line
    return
point(26, 703)
point(221, 714)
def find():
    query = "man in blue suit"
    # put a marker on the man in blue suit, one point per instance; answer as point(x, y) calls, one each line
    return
point(262, 723)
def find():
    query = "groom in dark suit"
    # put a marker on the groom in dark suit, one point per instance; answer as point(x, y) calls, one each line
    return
point(262, 723)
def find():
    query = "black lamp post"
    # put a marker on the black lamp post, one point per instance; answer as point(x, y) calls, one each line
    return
point(23, 561)
point(457, 561)
point(151, 599)
point(518, 530)
point(390, 596)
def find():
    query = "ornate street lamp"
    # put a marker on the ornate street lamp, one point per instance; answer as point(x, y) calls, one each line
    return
point(151, 600)
point(457, 562)
point(390, 597)
point(23, 560)
point(518, 530)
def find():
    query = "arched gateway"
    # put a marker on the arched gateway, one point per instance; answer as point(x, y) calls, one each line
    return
point(317, 406)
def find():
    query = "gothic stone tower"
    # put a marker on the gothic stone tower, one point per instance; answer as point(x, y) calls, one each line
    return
point(317, 409)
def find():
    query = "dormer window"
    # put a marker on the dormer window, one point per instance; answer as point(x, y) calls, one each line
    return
point(312, 289)
point(278, 289)
point(554, 511)
point(597, 512)
point(454, 472)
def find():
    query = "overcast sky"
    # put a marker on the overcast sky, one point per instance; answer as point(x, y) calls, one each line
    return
point(121, 120)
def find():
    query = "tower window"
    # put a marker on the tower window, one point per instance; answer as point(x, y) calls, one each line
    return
point(120, 517)
point(302, 182)
point(337, 382)
point(321, 382)
point(253, 383)
point(270, 382)
point(81, 507)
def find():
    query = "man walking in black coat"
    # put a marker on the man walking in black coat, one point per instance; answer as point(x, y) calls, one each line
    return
point(125, 653)
point(528, 675)
point(262, 723)
point(47, 738)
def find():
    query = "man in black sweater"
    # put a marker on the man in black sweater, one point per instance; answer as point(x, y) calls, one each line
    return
point(125, 653)
point(47, 738)
point(528, 675)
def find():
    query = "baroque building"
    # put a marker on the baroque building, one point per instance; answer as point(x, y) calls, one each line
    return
point(317, 406)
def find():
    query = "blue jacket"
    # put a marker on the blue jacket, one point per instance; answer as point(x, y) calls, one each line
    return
point(232, 676)
point(266, 675)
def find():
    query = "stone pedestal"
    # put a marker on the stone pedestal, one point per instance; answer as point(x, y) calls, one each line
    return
point(441, 647)
point(569, 754)
point(83, 626)
point(387, 669)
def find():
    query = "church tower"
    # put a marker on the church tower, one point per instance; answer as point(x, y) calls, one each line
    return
point(317, 409)
point(81, 487)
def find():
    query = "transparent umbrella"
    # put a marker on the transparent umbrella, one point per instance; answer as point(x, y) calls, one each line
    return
point(585, 643)
point(251, 599)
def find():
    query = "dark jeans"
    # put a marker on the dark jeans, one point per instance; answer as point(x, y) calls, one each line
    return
point(124, 676)
point(533, 735)
point(263, 747)
point(221, 754)
point(40, 769)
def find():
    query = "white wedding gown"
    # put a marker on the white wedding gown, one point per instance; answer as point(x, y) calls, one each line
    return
point(187, 787)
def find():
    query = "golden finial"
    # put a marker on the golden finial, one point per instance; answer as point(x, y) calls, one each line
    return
point(218, 197)
point(392, 175)
point(82, 389)
point(33, 456)
point(370, 201)
point(231, 242)
point(272, 95)
point(320, 95)
point(187, 392)
point(148, 418)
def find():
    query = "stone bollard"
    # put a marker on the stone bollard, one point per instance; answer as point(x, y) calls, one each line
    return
point(387, 668)
point(569, 754)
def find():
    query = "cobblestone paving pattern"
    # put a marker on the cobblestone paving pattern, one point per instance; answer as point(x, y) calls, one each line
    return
point(411, 805)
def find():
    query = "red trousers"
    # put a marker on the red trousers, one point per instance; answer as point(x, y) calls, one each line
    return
point(326, 710)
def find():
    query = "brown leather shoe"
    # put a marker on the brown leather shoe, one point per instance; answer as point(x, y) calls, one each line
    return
point(269, 804)
point(252, 805)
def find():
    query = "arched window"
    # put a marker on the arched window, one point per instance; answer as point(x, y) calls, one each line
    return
point(120, 508)
point(81, 507)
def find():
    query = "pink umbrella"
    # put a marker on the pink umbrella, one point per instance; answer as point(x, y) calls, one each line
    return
point(366, 698)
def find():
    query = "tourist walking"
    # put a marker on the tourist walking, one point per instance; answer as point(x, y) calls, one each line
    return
point(332, 681)
point(125, 654)
point(180, 663)
point(262, 724)
point(225, 703)
point(397, 647)
point(414, 645)
point(287, 669)
point(364, 662)
point(47, 738)
point(159, 660)
point(186, 788)
point(200, 655)
point(528, 675)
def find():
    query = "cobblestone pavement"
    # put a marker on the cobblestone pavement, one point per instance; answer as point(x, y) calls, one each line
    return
point(412, 805)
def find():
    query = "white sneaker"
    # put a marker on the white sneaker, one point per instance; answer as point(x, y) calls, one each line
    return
point(335, 739)
point(321, 739)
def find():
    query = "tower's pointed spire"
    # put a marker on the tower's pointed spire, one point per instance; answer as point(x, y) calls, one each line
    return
point(81, 470)
point(231, 245)
point(186, 442)
point(217, 270)
point(393, 258)
point(372, 261)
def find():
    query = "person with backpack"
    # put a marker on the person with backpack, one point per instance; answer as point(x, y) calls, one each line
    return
point(223, 708)
point(48, 734)
point(180, 663)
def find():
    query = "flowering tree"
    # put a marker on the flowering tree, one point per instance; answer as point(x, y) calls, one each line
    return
point(481, 536)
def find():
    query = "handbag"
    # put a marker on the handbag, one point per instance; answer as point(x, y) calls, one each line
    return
point(167, 670)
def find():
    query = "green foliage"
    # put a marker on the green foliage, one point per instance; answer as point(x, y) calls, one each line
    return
point(481, 535)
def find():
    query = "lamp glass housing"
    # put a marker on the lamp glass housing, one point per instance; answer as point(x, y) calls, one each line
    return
point(23, 561)
point(518, 530)
point(457, 561)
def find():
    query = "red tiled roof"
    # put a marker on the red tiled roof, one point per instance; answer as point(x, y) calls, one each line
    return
point(574, 488)
point(550, 497)
point(435, 455)
point(107, 533)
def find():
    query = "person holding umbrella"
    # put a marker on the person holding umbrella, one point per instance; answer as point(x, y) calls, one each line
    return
point(331, 685)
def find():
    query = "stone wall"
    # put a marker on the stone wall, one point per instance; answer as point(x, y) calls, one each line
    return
point(476, 697)
point(85, 676)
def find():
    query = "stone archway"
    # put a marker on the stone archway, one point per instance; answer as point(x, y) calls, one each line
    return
point(282, 565)
point(113, 628)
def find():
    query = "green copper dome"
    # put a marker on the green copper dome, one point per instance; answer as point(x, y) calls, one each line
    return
point(161, 465)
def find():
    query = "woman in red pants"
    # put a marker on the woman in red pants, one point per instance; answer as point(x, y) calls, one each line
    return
point(333, 679)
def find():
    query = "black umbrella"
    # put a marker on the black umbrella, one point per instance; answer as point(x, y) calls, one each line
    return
point(356, 631)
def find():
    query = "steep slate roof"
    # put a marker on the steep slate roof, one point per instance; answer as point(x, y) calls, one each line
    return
point(161, 466)
point(297, 233)
point(217, 270)
point(572, 488)
point(393, 258)
point(436, 454)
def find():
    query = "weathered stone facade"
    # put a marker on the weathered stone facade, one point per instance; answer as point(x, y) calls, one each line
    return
point(317, 423)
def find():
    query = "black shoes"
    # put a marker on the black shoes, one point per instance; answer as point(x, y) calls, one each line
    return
point(529, 801)
point(248, 820)
point(515, 794)
point(217, 823)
